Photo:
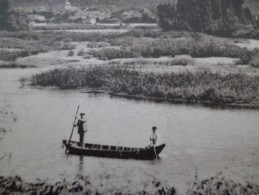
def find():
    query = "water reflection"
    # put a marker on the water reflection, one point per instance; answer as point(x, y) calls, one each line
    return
point(81, 165)
point(171, 102)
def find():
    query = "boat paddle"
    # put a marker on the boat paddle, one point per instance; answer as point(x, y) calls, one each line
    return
point(73, 125)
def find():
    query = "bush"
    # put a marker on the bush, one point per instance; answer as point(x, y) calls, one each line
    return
point(70, 53)
point(66, 46)
point(97, 44)
point(110, 54)
point(80, 52)
point(12, 56)
point(255, 60)
point(181, 60)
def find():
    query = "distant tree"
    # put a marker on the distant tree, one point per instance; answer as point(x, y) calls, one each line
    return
point(4, 14)
point(220, 17)
point(168, 19)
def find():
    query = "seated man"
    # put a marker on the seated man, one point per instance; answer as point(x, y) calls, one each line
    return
point(153, 138)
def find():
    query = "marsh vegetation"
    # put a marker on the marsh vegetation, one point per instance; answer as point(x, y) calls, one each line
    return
point(201, 86)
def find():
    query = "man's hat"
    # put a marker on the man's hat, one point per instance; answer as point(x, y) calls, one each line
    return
point(82, 113)
point(154, 128)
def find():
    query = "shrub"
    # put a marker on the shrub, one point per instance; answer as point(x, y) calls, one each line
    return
point(182, 60)
point(70, 53)
point(255, 60)
point(97, 44)
point(66, 46)
point(109, 54)
point(11, 56)
point(80, 52)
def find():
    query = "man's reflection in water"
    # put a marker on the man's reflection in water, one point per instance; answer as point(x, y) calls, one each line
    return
point(81, 164)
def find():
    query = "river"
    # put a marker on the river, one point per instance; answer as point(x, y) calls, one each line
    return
point(197, 138)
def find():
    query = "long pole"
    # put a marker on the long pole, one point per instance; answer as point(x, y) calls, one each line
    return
point(155, 152)
point(73, 125)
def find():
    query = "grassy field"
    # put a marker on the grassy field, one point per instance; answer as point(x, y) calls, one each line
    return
point(30, 43)
point(133, 44)
point(196, 87)
point(155, 44)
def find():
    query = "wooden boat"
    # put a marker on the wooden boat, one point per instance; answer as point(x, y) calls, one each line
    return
point(87, 149)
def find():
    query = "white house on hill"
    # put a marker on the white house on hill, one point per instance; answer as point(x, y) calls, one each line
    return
point(68, 5)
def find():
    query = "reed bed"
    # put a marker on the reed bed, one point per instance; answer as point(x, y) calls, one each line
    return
point(220, 185)
point(79, 185)
point(182, 60)
point(201, 86)
point(110, 54)
point(159, 45)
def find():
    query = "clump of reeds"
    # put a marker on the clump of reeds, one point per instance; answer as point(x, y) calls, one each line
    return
point(201, 86)
point(223, 186)
point(110, 54)
point(13, 55)
point(97, 44)
point(70, 53)
point(79, 185)
point(159, 47)
point(81, 52)
point(182, 60)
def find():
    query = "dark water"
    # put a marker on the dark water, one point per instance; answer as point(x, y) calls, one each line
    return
point(197, 138)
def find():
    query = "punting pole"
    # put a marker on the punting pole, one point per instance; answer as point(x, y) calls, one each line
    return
point(73, 124)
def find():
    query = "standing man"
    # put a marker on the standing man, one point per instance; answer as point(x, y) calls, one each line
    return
point(82, 127)
point(153, 138)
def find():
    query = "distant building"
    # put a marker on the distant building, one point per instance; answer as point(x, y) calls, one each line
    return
point(68, 5)
point(93, 21)
point(37, 21)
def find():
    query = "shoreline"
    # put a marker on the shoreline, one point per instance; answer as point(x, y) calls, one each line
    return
point(152, 99)
point(174, 101)
point(83, 185)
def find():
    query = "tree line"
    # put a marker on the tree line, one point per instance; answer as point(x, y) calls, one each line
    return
point(11, 20)
point(4, 14)
point(221, 17)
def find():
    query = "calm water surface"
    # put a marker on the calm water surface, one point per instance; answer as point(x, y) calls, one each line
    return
point(197, 138)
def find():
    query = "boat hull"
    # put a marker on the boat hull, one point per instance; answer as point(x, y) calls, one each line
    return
point(148, 153)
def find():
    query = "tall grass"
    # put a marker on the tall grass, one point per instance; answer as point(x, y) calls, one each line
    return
point(35, 41)
point(79, 185)
point(169, 45)
point(182, 60)
point(220, 185)
point(109, 54)
point(201, 86)
point(13, 55)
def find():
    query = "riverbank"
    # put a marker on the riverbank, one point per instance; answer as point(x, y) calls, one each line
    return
point(201, 87)
point(43, 48)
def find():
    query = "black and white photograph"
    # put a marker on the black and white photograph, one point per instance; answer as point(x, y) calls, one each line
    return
point(129, 97)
